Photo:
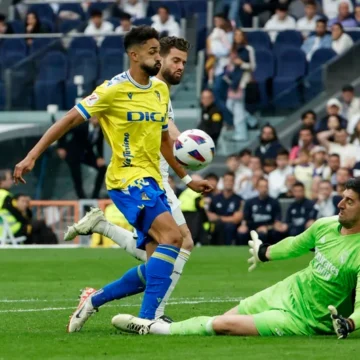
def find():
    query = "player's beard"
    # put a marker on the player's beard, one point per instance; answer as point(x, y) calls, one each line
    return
point(171, 78)
point(151, 70)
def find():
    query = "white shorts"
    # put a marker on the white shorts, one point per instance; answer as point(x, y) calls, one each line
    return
point(174, 203)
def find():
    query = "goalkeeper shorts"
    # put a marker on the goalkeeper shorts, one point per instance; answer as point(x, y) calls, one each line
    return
point(273, 320)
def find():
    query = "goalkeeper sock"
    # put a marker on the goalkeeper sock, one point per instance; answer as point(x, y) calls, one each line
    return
point(133, 282)
point(158, 271)
point(175, 277)
point(201, 325)
point(124, 238)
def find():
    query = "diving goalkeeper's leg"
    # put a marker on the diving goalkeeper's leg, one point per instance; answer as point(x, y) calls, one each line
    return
point(236, 325)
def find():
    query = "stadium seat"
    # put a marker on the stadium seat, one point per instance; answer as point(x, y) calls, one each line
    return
point(114, 21)
point(43, 11)
point(355, 35)
point(11, 58)
point(291, 67)
point(48, 92)
point(2, 96)
point(173, 6)
point(98, 6)
point(83, 63)
point(142, 21)
point(82, 43)
point(264, 72)
point(40, 43)
point(314, 80)
point(48, 25)
point(53, 67)
point(111, 64)
point(287, 38)
point(76, 8)
point(13, 46)
point(259, 39)
point(194, 7)
point(112, 42)
point(18, 26)
point(68, 25)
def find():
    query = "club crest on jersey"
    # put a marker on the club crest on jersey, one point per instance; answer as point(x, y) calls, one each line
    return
point(157, 95)
point(130, 95)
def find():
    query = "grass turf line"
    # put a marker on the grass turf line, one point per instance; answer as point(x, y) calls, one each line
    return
point(52, 279)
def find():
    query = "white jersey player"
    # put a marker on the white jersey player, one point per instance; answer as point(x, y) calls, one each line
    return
point(174, 52)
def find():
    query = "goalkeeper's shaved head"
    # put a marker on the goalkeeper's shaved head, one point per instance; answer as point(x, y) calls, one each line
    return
point(349, 215)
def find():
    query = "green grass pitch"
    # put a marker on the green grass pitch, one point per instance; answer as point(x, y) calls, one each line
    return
point(39, 288)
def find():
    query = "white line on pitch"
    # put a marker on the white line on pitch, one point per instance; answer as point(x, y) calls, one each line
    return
point(184, 302)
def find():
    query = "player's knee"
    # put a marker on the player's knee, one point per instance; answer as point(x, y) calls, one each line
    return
point(187, 240)
point(172, 237)
point(223, 324)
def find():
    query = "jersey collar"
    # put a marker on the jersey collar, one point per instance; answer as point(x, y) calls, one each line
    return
point(136, 83)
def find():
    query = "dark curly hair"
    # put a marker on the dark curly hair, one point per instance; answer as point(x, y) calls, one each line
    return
point(139, 35)
point(169, 42)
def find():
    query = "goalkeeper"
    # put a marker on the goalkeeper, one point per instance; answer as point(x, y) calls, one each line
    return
point(305, 303)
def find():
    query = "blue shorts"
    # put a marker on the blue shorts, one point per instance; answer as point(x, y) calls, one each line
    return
point(141, 203)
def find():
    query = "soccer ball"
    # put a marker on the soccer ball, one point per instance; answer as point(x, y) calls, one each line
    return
point(194, 149)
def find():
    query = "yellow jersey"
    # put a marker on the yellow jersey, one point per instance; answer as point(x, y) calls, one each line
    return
point(132, 117)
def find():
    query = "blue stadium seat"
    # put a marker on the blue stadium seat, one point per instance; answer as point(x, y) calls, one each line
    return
point(40, 43)
point(48, 25)
point(111, 64)
point(142, 21)
point(112, 42)
point(13, 45)
point(98, 6)
point(288, 38)
point(355, 35)
point(43, 11)
point(18, 26)
point(314, 80)
point(114, 21)
point(84, 63)
point(173, 6)
point(259, 39)
point(291, 66)
point(48, 92)
point(53, 67)
point(192, 7)
point(82, 43)
point(76, 8)
point(2, 96)
point(264, 72)
point(68, 25)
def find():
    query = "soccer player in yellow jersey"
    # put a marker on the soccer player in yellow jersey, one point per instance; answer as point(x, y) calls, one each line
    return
point(133, 115)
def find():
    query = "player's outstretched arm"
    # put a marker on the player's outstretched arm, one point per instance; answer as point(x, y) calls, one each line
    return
point(167, 151)
point(55, 132)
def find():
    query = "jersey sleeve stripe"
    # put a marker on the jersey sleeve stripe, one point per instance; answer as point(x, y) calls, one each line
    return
point(82, 111)
point(165, 127)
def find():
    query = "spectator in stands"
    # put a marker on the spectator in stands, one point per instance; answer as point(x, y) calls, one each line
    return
point(33, 26)
point(248, 184)
point(136, 8)
point(172, 184)
point(165, 23)
point(255, 163)
point(356, 169)
point(341, 41)
point(342, 176)
point(300, 215)
point(98, 26)
point(225, 213)
point(278, 177)
point(344, 16)
point(321, 169)
point(320, 40)
point(306, 142)
point(327, 201)
point(355, 137)
point(357, 14)
point(5, 28)
point(213, 179)
point(347, 152)
point(334, 165)
point(350, 107)
point(239, 73)
point(263, 214)
point(84, 145)
point(243, 170)
point(269, 166)
point(308, 119)
point(289, 183)
point(125, 24)
point(281, 20)
point(331, 7)
point(307, 23)
point(269, 144)
point(333, 107)
point(211, 116)
point(303, 171)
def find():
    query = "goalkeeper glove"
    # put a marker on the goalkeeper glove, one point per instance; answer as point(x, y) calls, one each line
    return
point(257, 250)
point(342, 326)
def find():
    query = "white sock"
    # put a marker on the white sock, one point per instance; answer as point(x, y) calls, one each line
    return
point(180, 262)
point(160, 328)
point(124, 238)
